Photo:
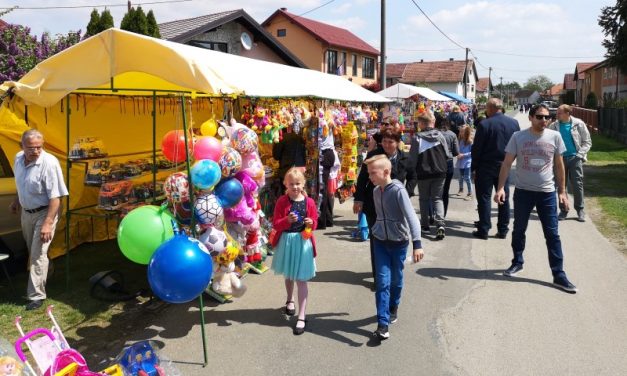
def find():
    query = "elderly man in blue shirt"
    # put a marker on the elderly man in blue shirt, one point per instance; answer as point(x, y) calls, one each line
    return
point(40, 186)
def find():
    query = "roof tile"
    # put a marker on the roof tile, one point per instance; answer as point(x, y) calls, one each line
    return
point(172, 29)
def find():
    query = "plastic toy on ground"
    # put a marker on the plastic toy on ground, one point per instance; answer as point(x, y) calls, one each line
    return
point(142, 359)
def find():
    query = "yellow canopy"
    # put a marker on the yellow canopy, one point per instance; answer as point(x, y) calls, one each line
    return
point(128, 60)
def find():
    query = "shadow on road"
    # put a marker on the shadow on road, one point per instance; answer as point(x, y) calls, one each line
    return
point(343, 276)
point(493, 274)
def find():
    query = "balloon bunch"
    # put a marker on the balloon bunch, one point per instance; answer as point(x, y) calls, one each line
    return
point(225, 178)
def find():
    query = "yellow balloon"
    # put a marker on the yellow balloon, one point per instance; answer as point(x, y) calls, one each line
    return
point(209, 128)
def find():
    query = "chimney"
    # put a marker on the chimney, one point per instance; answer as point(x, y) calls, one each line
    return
point(284, 9)
point(450, 59)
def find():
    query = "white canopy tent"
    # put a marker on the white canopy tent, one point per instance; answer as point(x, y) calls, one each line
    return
point(127, 60)
point(403, 91)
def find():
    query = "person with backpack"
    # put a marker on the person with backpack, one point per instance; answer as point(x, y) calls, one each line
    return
point(429, 156)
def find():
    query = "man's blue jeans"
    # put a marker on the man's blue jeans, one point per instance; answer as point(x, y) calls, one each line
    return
point(389, 262)
point(546, 207)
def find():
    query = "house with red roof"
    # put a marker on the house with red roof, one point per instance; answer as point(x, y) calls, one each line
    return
point(569, 89)
point(582, 87)
point(444, 76)
point(612, 83)
point(324, 47)
point(234, 32)
point(484, 87)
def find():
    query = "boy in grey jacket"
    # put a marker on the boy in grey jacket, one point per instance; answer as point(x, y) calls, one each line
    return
point(396, 222)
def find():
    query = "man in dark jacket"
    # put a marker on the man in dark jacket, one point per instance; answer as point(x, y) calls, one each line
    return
point(290, 152)
point(401, 170)
point(488, 152)
point(429, 154)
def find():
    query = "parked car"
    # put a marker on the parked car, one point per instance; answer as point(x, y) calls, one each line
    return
point(11, 239)
point(552, 105)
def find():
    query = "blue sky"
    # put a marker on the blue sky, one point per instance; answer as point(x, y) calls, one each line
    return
point(559, 33)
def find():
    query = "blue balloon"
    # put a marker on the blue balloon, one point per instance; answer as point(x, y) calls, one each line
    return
point(180, 269)
point(205, 174)
point(229, 192)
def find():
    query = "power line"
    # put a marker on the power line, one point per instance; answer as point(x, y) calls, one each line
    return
point(17, 7)
point(414, 50)
point(314, 9)
point(436, 26)
point(539, 56)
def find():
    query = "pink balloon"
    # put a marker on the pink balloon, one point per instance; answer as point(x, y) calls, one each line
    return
point(208, 148)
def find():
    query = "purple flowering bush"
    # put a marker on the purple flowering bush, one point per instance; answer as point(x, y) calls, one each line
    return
point(20, 51)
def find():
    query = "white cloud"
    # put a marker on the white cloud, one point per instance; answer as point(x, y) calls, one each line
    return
point(343, 8)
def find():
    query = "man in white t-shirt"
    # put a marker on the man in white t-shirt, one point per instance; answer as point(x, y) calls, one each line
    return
point(539, 168)
point(40, 187)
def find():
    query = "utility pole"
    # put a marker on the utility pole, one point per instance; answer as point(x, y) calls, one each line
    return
point(489, 80)
point(382, 73)
point(501, 88)
point(129, 5)
point(466, 75)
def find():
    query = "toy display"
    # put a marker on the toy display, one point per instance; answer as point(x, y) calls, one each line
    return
point(115, 194)
point(87, 147)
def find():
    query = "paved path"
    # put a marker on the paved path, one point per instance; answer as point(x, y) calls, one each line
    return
point(458, 315)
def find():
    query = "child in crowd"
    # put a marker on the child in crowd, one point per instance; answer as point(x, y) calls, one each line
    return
point(464, 160)
point(295, 218)
point(396, 220)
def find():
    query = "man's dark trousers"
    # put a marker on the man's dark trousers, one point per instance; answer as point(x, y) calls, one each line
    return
point(486, 178)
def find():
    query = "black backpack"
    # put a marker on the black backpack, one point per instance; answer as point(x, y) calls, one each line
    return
point(431, 162)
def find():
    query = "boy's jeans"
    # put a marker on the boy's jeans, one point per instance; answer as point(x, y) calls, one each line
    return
point(389, 262)
point(546, 207)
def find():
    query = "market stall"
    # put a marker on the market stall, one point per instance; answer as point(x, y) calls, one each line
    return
point(97, 102)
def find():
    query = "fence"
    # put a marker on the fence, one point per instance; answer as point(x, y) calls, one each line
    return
point(611, 122)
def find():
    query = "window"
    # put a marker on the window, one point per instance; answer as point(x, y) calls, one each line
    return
point(216, 46)
point(343, 69)
point(354, 65)
point(367, 70)
point(281, 32)
point(331, 61)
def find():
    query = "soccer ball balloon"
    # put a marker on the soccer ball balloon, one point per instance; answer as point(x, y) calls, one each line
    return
point(208, 210)
point(214, 239)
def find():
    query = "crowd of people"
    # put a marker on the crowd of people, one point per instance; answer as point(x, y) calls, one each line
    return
point(548, 157)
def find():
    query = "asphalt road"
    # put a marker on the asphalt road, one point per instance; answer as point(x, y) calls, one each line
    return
point(458, 315)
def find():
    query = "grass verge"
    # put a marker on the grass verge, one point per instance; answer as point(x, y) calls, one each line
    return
point(605, 176)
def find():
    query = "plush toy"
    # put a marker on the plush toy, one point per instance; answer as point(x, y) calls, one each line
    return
point(253, 167)
point(250, 188)
point(225, 281)
point(260, 123)
point(9, 366)
point(240, 213)
point(253, 246)
point(297, 124)
point(246, 115)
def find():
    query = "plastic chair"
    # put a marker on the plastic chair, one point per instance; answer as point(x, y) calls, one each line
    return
point(3, 258)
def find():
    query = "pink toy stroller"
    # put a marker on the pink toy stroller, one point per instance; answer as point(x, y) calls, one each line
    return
point(50, 351)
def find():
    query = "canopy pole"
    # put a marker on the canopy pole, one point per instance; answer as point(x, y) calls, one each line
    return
point(193, 227)
point(154, 147)
point(68, 167)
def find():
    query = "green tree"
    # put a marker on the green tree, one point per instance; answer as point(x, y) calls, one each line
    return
point(135, 21)
point(93, 27)
point(106, 20)
point(591, 101)
point(538, 83)
point(612, 20)
point(153, 28)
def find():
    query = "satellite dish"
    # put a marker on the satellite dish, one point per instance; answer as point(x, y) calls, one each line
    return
point(246, 41)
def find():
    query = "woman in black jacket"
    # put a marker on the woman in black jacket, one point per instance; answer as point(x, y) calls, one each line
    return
point(363, 201)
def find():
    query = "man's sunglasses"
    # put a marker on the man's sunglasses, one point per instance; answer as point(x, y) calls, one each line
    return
point(542, 117)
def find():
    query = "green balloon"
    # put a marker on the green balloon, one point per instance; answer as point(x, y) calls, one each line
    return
point(143, 230)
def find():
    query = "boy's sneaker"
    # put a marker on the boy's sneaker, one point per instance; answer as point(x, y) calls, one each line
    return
point(562, 215)
point(440, 233)
point(513, 270)
point(425, 230)
point(393, 315)
point(564, 284)
point(382, 332)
